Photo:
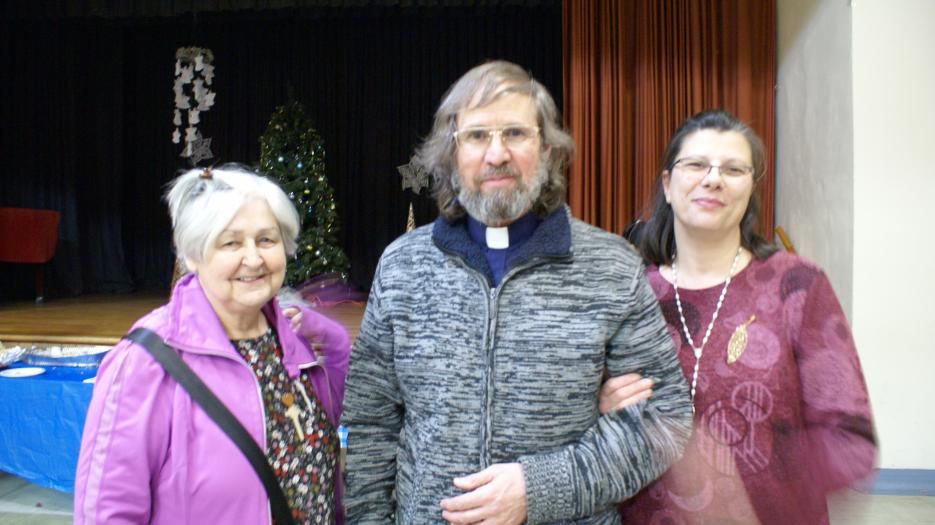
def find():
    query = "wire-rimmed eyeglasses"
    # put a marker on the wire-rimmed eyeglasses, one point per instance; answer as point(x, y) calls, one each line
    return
point(701, 167)
point(480, 137)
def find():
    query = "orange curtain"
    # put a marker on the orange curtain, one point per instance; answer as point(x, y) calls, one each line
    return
point(635, 69)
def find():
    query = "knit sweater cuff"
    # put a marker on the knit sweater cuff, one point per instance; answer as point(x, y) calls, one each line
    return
point(549, 494)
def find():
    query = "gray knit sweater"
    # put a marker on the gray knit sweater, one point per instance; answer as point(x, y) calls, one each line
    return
point(449, 375)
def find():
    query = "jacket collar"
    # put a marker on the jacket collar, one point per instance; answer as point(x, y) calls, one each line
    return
point(517, 233)
point(552, 239)
point(194, 327)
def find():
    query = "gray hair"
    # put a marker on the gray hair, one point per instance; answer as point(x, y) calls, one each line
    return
point(477, 88)
point(202, 205)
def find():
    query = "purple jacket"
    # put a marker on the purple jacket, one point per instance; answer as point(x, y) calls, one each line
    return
point(150, 455)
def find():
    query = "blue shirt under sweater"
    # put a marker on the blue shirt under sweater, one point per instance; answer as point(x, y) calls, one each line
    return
point(499, 258)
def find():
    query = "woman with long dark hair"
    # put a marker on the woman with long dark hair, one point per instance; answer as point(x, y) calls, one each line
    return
point(782, 416)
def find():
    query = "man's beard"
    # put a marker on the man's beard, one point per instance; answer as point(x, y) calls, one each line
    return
point(501, 206)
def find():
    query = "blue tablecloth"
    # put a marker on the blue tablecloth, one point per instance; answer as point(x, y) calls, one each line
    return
point(41, 419)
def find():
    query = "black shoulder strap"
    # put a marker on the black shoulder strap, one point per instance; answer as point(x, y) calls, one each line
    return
point(169, 358)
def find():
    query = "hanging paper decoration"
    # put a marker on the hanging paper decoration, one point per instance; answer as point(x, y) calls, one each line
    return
point(414, 177)
point(193, 96)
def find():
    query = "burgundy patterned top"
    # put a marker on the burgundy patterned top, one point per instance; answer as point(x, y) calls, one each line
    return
point(783, 424)
point(305, 465)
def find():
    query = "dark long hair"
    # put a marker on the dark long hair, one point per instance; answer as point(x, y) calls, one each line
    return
point(657, 236)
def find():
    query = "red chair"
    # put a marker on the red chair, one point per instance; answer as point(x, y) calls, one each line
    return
point(29, 236)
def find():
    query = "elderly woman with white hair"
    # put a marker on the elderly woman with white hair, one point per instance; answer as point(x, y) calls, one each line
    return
point(150, 454)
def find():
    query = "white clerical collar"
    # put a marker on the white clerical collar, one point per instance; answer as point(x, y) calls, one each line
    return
point(498, 238)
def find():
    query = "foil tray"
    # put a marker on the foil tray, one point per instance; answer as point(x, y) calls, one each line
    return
point(10, 355)
point(64, 355)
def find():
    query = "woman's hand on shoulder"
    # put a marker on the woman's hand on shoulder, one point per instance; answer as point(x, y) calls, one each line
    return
point(326, 336)
point(294, 314)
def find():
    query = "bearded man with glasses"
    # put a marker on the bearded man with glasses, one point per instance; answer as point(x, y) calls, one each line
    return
point(472, 394)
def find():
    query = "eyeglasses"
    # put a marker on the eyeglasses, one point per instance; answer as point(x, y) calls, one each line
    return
point(511, 136)
point(701, 167)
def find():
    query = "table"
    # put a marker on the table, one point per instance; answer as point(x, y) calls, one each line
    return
point(41, 420)
point(29, 236)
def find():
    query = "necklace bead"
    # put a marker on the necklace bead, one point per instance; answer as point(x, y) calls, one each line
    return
point(698, 350)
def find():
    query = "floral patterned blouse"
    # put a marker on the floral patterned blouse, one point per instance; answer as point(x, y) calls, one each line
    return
point(301, 444)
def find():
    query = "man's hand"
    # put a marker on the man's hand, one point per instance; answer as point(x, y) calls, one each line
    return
point(620, 392)
point(497, 496)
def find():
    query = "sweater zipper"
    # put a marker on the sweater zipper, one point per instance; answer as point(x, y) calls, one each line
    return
point(490, 334)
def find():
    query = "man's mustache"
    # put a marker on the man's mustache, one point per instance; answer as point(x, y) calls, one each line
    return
point(499, 171)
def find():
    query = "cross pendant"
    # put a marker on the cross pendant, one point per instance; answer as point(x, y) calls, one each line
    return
point(293, 414)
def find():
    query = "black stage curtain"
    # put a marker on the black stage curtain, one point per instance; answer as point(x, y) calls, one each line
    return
point(152, 8)
point(87, 117)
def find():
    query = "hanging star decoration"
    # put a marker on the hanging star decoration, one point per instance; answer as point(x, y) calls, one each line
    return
point(414, 177)
point(201, 150)
point(193, 96)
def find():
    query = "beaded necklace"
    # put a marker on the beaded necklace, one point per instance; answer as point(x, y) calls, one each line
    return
point(720, 301)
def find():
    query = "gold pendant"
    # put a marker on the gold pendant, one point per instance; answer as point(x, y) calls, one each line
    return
point(292, 412)
point(738, 341)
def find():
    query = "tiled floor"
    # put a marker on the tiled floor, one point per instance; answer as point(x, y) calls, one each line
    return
point(24, 504)
point(857, 508)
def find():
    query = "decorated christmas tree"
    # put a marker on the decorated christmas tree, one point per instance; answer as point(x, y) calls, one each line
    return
point(292, 153)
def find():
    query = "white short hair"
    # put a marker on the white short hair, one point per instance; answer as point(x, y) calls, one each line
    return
point(202, 206)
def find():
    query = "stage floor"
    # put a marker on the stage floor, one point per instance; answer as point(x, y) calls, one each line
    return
point(104, 319)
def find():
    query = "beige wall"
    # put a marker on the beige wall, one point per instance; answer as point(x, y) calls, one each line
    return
point(856, 186)
point(894, 203)
point(815, 153)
